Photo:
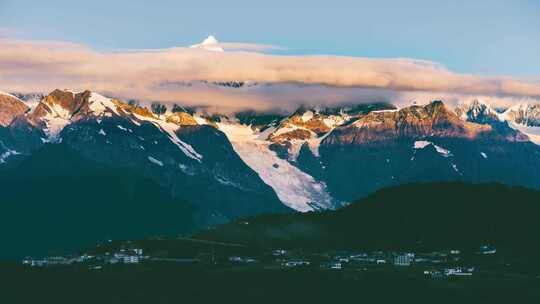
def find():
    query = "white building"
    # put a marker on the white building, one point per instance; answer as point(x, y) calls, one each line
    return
point(404, 259)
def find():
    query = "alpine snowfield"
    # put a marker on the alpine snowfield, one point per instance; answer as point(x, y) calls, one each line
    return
point(294, 188)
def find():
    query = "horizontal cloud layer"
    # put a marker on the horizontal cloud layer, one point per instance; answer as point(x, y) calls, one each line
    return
point(167, 75)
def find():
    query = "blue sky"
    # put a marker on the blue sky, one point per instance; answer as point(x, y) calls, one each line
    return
point(483, 37)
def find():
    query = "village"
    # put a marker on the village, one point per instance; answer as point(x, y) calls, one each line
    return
point(434, 265)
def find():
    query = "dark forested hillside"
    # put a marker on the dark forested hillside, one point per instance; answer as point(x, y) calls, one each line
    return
point(419, 216)
point(56, 200)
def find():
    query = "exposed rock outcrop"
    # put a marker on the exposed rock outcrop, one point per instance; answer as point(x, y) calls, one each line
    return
point(10, 108)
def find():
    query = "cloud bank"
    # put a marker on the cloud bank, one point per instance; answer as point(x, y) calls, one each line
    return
point(168, 75)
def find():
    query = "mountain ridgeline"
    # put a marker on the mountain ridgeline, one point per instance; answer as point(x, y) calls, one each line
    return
point(67, 151)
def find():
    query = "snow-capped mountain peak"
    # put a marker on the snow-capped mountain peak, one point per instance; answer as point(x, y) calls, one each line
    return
point(210, 40)
point(477, 111)
point(62, 107)
point(522, 117)
point(524, 114)
point(209, 44)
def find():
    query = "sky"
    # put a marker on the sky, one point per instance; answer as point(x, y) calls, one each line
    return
point(481, 47)
point(482, 36)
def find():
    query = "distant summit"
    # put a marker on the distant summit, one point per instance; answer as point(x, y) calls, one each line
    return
point(209, 44)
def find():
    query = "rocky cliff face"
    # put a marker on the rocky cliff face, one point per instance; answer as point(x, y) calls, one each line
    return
point(10, 108)
point(16, 137)
point(308, 127)
point(317, 122)
point(431, 120)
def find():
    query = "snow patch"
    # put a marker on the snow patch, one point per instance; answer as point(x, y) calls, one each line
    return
point(4, 156)
point(315, 143)
point(286, 129)
point(442, 151)
point(55, 123)
point(99, 104)
point(122, 128)
point(7, 153)
point(155, 161)
point(59, 111)
point(334, 121)
point(187, 170)
point(421, 144)
point(200, 121)
point(307, 116)
point(454, 166)
point(225, 182)
point(385, 111)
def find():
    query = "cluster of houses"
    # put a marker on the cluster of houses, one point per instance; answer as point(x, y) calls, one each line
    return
point(341, 260)
point(438, 264)
point(123, 256)
point(449, 272)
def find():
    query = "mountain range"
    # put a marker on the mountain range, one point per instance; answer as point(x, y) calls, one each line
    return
point(218, 168)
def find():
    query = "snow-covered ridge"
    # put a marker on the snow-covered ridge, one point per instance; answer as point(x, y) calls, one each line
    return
point(98, 104)
point(523, 114)
point(477, 111)
point(56, 117)
point(170, 129)
point(522, 117)
point(10, 95)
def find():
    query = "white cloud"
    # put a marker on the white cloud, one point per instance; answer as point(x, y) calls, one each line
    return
point(159, 75)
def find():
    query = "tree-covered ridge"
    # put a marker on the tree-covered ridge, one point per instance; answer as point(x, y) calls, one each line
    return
point(417, 216)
